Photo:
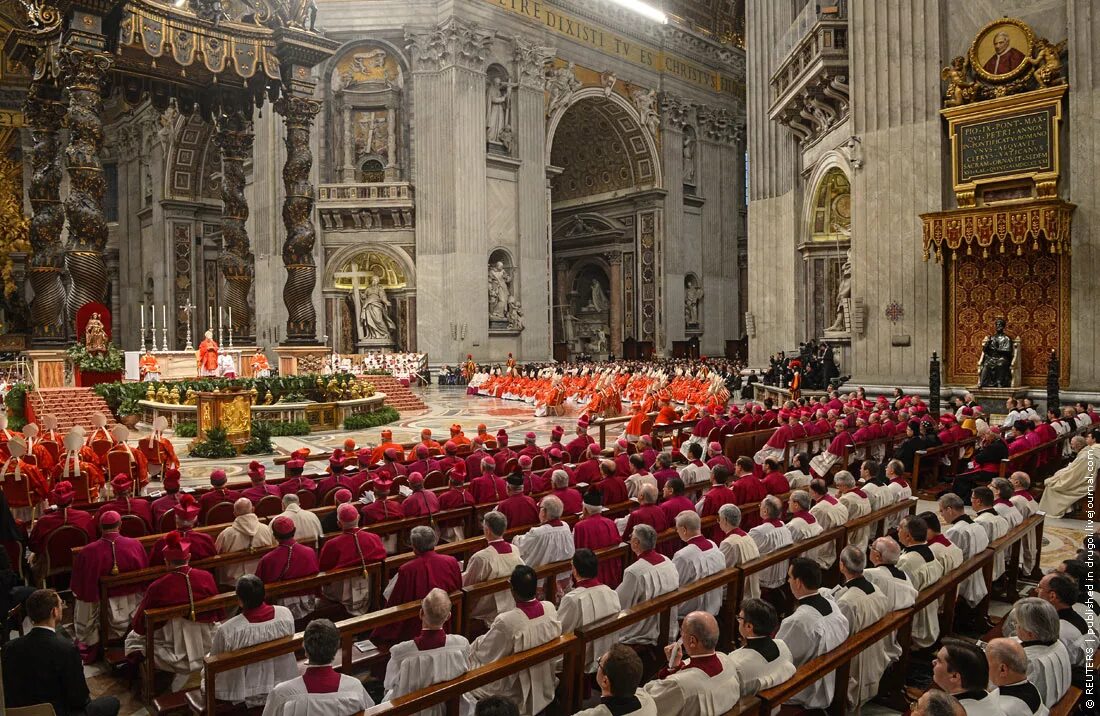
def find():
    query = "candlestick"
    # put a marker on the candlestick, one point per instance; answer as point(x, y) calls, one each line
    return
point(221, 335)
point(164, 315)
point(210, 318)
point(230, 326)
point(142, 306)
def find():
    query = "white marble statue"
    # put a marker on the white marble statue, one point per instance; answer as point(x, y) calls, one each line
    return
point(499, 291)
point(377, 323)
point(514, 313)
point(689, 158)
point(561, 83)
point(645, 101)
point(597, 300)
point(843, 293)
point(693, 296)
point(498, 97)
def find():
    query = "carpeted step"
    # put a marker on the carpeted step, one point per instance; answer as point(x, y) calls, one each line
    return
point(71, 406)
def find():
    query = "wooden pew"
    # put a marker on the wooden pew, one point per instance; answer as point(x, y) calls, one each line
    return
point(793, 447)
point(929, 461)
point(746, 444)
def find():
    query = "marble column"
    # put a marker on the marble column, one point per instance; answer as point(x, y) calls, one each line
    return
point(615, 260)
point(299, 110)
point(44, 113)
point(233, 137)
point(675, 115)
point(719, 178)
point(448, 82)
point(528, 122)
point(84, 66)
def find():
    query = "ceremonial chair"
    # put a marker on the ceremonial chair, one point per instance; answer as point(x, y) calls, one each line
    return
point(30, 459)
point(119, 462)
point(539, 462)
point(59, 551)
point(631, 448)
point(328, 499)
point(464, 449)
point(17, 492)
point(307, 499)
point(155, 467)
point(15, 616)
point(52, 448)
point(740, 428)
point(434, 479)
point(100, 447)
point(647, 426)
point(510, 466)
point(714, 436)
point(81, 488)
point(269, 506)
point(133, 526)
point(220, 514)
point(167, 521)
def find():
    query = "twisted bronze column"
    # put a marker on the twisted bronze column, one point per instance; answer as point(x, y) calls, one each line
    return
point(84, 72)
point(44, 114)
point(301, 271)
point(233, 137)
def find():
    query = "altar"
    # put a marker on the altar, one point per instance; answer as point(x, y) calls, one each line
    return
point(175, 365)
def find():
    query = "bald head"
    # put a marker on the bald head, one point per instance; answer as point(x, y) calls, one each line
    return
point(700, 633)
point(242, 506)
point(937, 703)
point(1007, 661)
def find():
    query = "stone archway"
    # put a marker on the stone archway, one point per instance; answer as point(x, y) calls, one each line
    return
point(601, 159)
point(348, 274)
point(826, 245)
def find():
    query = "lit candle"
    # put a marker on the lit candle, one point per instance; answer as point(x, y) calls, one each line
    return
point(164, 314)
point(220, 316)
point(143, 321)
point(210, 317)
point(230, 309)
point(153, 320)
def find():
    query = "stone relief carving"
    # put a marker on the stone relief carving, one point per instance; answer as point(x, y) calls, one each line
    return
point(562, 83)
point(607, 81)
point(530, 63)
point(689, 156)
point(645, 101)
point(378, 325)
point(676, 110)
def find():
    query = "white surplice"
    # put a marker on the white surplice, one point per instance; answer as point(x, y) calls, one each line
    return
point(636, 482)
point(121, 610)
point(1020, 699)
point(900, 593)
point(647, 707)
point(864, 608)
point(1065, 487)
point(829, 513)
point(1027, 508)
point(582, 606)
point(307, 527)
point(971, 539)
point(483, 566)
point(510, 633)
point(253, 682)
point(995, 528)
point(178, 646)
point(816, 627)
point(738, 549)
point(985, 706)
point(1048, 667)
point(803, 530)
point(755, 673)
point(410, 669)
point(694, 564)
point(769, 538)
point(923, 569)
point(291, 698)
point(546, 543)
point(643, 581)
point(857, 507)
point(691, 692)
point(244, 533)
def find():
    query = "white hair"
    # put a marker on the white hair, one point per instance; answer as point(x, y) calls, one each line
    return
point(688, 520)
point(437, 608)
point(853, 559)
point(730, 514)
point(844, 479)
point(888, 549)
point(553, 506)
point(560, 479)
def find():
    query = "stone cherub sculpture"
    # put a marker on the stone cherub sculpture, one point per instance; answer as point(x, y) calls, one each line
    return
point(1048, 63)
point(960, 88)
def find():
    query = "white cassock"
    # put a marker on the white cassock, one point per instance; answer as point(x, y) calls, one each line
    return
point(245, 532)
point(584, 605)
point(1048, 667)
point(411, 669)
point(947, 552)
point(642, 581)
point(864, 605)
point(877, 495)
point(1020, 699)
point(816, 627)
point(761, 664)
point(636, 482)
point(995, 528)
point(307, 527)
point(1065, 487)
point(923, 569)
point(546, 543)
point(980, 704)
point(483, 566)
point(692, 692)
point(1027, 505)
point(900, 594)
point(646, 707)
point(293, 698)
point(1073, 632)
point(803, 526)
point(971, 539)
point(512, 632)
point(858, 506)
point(695, 475)
point(739, 548)
point(798, 480)
point(179, 646)
point(829, 513)
point(769, 537)
point(899, 491)
point(698, 559)
point(253, 682)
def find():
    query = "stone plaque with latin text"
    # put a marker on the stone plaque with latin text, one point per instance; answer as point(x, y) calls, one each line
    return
point(1006, 146)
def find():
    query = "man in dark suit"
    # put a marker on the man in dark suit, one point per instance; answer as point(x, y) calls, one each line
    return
point(44, 667)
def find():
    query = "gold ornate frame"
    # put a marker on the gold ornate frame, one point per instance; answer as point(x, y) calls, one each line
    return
point(990, 27)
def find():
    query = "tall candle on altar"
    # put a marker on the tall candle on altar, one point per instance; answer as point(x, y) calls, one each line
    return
point(210, 317)
point(164, 315)
point(143, 321)
point(152, 319)
point(220, 316)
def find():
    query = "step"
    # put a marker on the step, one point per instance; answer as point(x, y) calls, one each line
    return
point(72, 406)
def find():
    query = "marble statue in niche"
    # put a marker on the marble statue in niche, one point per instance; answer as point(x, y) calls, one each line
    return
point(597, 297)
point(689, 156)
point(498, 108)
point(500, 291)
point(376, 319)
point(371, 135)
point(693, 296)
point(843, 296)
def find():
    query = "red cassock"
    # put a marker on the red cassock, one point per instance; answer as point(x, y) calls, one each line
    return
point(341, 551)
point(596, 532)
point(294, 484)
point(128, 506)
point(162, 505)
point(501, 458)
point(651, 515)
point(31, 483)
point(473, 463)
point(163, 452)
point(577, 446)
point(456, 497)
point(613, 490)
point(353, 482)
point(172, 589)
point(571, 501)
point(779, 438)
point(138, 463)
point(534, 483)
point(380, 511)
point(674, 506)
point(202, 547)
point(520, 510)
point(259, 492)
point(588, 471)
point(622, 465)
point(214, 496)
point(43, 456)
point(289, 560)
point(748, 489)
point(89, 474)
point(424, 466)
point(663, 476)
point(50, 521)
point(776, 483)
point(414, 580)
point(720, 460)
point(95, 561)
point(715, 498)
point(488, 488)
point(419, 503)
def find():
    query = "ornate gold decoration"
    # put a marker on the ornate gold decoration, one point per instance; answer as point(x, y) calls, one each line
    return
point(1004, 58)
point(233, 136)
point(1040, 227)
point(237, 415)
point(13, 224)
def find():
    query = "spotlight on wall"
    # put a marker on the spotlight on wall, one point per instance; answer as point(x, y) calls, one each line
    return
point(643, 9)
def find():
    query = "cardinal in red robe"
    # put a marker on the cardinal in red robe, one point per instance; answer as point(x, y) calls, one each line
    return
point(427, 570)
point(187, 514)
point(594, 532)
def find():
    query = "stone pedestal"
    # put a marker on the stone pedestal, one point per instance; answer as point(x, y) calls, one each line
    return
point(993, 400)
point(298, 360)
point(47, 367)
